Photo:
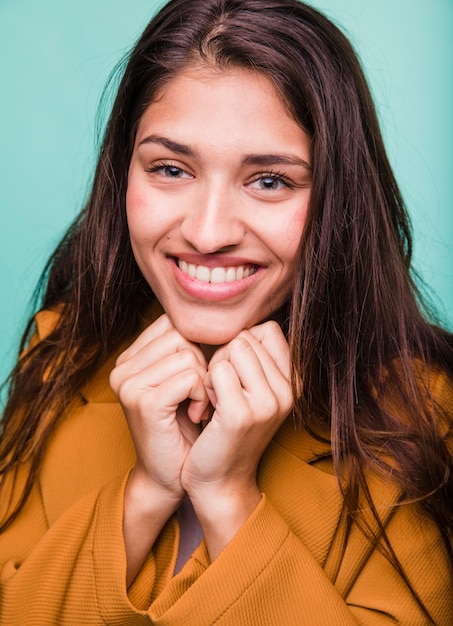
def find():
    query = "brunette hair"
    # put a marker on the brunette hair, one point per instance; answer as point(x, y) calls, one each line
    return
point(362, 350)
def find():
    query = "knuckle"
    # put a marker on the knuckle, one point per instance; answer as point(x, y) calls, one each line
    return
point(222, 354)
point(240, 344)
point(271, 406)
point(187, 358)
point(217, 365)
point(272, 326)
point(266, 407)
point(189, 376)
point(120, 359)
point(114, 380)
point(128, 393)
point(289, 397)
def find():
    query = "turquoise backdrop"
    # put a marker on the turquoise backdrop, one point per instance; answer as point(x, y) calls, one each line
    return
point(56, 56)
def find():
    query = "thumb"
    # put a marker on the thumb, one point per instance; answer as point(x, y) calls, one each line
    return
point(208, 385)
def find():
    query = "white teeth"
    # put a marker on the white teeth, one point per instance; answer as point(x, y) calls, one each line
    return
point(231, 275)
point(203, 274)
point(216, 275)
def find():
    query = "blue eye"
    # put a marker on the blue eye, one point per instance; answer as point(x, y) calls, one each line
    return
point(172, 171)
point(270, 182)
point(168, 171)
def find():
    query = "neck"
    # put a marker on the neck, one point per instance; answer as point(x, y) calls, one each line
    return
point(208, 350)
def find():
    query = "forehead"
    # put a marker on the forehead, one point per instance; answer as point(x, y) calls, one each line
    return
point(233, 83)
point(207, 73)
point(226, 105)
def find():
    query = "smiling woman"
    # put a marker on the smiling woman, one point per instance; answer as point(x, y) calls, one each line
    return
point(229, 408)
point(201, 207)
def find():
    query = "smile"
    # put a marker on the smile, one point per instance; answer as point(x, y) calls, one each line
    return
point(216, 275)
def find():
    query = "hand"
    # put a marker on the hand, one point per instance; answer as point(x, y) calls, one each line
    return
point(152, 379)
point(248, 382)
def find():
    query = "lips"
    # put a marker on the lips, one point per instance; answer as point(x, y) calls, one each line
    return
point(217, 275)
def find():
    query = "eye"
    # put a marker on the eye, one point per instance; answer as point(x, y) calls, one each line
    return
point(270, 182)
point(168, 171)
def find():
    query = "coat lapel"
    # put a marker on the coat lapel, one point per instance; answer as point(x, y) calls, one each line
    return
point(296, 475)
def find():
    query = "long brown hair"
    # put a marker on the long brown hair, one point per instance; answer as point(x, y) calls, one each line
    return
point(354, 322)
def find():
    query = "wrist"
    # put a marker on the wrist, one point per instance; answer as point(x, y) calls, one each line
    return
point(222, 512)
point(148, 495)
point(147, 508)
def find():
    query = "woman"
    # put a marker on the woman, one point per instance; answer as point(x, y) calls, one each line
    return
point(277, 445)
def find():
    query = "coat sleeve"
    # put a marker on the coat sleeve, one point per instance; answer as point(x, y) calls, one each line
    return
point(265, 576)
point(63, 578)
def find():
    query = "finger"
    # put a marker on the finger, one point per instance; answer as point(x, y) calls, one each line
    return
point(162, 346)
point(241, 383)
point(271, 337)
point(260, 377)
point(221, 354)
point(267, 340)
point(247, 364)
point(190, 429)
point(198, 410)
point(230, 398)
point(209, 386)
point(130, 374)
point(273, 374)
point(156, 329)
point(162, 402)
point(276, 372)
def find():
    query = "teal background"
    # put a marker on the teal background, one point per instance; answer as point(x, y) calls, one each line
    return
point(56, 56)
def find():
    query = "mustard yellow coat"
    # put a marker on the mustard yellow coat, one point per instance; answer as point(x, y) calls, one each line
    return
point(63, 560)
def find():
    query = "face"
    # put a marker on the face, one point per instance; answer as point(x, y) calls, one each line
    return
point(218, 188)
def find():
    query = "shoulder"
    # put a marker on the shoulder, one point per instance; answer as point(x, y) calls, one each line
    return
point(443, 390)
point(443, 398)
point(46, 321)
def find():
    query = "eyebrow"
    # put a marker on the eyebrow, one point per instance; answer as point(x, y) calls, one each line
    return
point(262, 160)
point(274, 159)
point(178, 148)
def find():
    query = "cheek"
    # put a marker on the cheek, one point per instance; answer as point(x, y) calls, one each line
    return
point(142, 216)
point(136, 202)
point(141, 225)
point(286, 235)
point(149, 210)
point(151, 223)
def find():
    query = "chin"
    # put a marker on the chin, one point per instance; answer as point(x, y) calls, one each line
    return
point(210, 338)
point(209, 334)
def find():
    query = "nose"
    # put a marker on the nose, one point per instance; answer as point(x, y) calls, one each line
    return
point(212, 219)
